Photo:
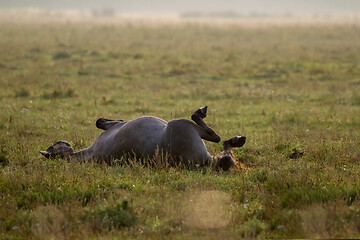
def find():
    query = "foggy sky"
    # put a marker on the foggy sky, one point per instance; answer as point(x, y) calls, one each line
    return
point(178, 6)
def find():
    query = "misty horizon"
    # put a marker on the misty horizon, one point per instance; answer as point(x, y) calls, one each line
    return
point(242, 7)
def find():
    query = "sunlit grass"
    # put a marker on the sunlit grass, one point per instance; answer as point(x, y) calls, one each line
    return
point(285, 88)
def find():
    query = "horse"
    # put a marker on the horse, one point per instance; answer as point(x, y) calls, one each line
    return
point(181, 140)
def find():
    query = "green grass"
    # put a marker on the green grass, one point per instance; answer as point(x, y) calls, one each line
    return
point(286, 88)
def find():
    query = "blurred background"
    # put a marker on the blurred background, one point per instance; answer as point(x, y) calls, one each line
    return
point(191, 8)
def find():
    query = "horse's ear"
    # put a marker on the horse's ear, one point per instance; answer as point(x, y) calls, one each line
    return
point(45, 154)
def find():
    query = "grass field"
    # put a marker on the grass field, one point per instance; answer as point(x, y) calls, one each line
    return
point(287, 88)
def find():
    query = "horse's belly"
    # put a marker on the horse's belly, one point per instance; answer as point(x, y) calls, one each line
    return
point(141, 137)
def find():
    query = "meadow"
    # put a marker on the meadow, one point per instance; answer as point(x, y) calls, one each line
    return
point(287, 88)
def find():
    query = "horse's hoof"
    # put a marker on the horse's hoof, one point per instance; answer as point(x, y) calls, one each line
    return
point(238, 141)
point(226, 162)
point(202, 112)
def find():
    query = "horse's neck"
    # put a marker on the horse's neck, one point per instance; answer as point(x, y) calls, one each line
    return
point(82, 155)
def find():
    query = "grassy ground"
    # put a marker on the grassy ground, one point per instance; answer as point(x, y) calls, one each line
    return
point(286, 88)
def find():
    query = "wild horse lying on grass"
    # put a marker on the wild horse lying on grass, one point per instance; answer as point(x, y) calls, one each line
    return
point(144, 137)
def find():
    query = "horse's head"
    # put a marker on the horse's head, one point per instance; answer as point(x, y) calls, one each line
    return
point(60, 149)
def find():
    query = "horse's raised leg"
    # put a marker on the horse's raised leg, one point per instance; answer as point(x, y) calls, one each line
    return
point(204, 130)
point(105, 124)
